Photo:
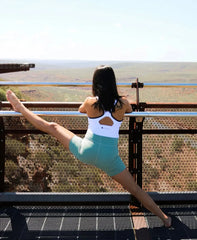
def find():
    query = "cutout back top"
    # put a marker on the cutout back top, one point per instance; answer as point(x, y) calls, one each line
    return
point(105, 125)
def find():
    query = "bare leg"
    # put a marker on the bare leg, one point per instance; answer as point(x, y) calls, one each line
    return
point(63, 135)
point(127, 181)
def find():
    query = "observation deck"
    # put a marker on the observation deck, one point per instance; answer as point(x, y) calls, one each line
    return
point(45, 193)
point(15, 67)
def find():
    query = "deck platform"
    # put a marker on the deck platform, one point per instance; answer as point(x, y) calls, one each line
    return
point(106, 222)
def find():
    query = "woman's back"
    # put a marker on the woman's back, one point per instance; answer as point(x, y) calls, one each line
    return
point(92, 112)
point(105, 123)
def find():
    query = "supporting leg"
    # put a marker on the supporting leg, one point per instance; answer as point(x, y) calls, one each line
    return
point(127, 181)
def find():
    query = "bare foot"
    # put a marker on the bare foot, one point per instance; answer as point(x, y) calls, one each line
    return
point(168, 222)
point(14, 101)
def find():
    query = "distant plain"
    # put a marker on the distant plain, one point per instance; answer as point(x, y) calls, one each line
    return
point(82, 71)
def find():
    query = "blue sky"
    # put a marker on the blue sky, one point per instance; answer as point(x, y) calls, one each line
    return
point(142, 30)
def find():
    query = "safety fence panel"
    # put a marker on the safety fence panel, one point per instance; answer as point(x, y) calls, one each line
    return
point(169, 154)
point(36, 162)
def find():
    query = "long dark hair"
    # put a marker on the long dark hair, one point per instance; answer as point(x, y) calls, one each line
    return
point(104, 87)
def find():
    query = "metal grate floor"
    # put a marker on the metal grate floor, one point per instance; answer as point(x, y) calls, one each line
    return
point(67, 222)
point(184, 219)
point(96, 222)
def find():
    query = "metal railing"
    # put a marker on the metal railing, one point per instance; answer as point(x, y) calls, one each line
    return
point(137, 129)
point(78, 114)
point(89, 84)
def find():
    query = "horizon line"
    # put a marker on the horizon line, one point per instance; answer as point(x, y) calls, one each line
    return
point(95, 60)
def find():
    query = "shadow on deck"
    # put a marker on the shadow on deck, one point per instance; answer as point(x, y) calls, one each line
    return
point(104, 222)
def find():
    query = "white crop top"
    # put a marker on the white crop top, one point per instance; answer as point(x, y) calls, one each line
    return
point(104, 130)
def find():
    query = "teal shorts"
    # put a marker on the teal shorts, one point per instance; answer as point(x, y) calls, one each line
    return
point(98, 151)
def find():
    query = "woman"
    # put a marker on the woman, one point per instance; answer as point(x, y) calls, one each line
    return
point(105, 111)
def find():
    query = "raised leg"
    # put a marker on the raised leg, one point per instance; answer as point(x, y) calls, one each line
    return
point(127, 181)
point(63, 135)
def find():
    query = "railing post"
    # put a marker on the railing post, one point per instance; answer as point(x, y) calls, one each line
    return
point(135, 148)
point(2, 153)
point(135, 142)
point(135, 138)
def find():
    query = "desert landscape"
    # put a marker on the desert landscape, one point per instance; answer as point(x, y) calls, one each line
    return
point(38, 163)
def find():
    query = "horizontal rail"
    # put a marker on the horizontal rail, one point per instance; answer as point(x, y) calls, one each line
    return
point(168, 105)
point(55, 84)
point(46, 104)
point(180, 85)
point(77, 104)
point(89, 84)
point(76, 113)
point(29, 198)
point(72, 198)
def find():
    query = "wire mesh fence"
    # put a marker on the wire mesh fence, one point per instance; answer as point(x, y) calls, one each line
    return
point(170, 158)
point(36, 162)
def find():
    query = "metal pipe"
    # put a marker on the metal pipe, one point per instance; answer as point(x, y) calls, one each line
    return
point(180, 85)
point(55, 84)
point(77, 104)
point(76, 113)
point(46, 104)
point(89, 84)
point(63, 198)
